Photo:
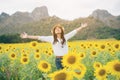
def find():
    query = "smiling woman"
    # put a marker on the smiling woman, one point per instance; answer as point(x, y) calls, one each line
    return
point(58, 41)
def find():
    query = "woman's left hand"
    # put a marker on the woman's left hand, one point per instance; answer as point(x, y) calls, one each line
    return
point(83, 25)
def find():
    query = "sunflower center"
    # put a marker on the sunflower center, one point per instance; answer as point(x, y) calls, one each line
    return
point(33, 44)
point(46, 51)
point(25, 59)
point(71, 59)
point(102, 72)
point(82, 45)
point(60, 76)
point(96, 45)
point(97, 65)
point(37, 56)
point(90, 44)
point(94, 53)
point(0, 47)
point(117, 67)
point(13, 55)
point(24, 55)
point(102, 46)
point(117, 46)
point(81, 55)
point(109, 49)
point(45, 65)
point(37, 50)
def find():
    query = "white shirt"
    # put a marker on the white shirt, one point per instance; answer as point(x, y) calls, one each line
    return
point(58, 48)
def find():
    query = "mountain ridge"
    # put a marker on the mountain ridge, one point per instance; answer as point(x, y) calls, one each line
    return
point(101, 24)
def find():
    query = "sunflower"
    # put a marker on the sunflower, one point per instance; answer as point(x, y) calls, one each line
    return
point(80, 71)
point(12, 56)
point(97, 65)
point(44, 66)
point(61, 75)
point(114, 67)
point(101, 73)
point(37, 50)
point(34, 44)
point(24, 55)
point(0, 47)
point(71, 60)
point(82, 55)
point(93, 53)
point(96, 45)
point(24, 60)
point(102, 47)
point(37, 56)
point(116, 46)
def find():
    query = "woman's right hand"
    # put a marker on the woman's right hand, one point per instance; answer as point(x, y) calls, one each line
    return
point(24, 35)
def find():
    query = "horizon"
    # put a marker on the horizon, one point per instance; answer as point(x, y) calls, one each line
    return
point(63, 9)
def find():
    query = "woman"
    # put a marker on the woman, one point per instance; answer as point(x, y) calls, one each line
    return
point(58, 41)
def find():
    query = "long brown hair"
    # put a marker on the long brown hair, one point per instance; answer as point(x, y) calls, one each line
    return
point(55, 35)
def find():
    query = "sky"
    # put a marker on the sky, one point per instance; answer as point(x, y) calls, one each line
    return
point(65, 9)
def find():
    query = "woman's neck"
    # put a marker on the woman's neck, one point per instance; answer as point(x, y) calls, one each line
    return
point(59, 36)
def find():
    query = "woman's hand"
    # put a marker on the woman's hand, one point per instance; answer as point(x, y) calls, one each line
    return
point(24, 35)
point(83, 25)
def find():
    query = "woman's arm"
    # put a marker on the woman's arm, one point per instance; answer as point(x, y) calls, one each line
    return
point(25, 35)
point(83, 25)
point(75, 31)
point(42, 38)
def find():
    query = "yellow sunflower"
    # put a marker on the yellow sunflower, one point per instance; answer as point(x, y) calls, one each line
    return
point(37, 56)
point(34, 44)
point(97, 65)
point(71, 60)
point(61, 75)
point(24, 55)
point(24, 60)
point(37, 50)
point(114, 67)
point(101, 73)
point(102, 47)
point(116, 46)
point(93, 53)
point(80, 71)
point(44, 66)
point(82, 55)
point(12, 56)
point(0, 47)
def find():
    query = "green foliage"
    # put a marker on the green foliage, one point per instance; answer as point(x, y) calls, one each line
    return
point(107, 32)
point(12, 38)
point(96, 29)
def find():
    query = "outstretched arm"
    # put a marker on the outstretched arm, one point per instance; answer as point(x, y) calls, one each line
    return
point(83, 25)
point(25, 35)
point(75, 31)
point(42, 38)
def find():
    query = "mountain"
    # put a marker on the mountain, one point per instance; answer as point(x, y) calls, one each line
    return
point(20, 18)
point(101, 24)
point(106, 17)
point(39, 13)
point(4, 16)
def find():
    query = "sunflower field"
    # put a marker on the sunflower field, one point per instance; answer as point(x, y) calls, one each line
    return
point(86, 60)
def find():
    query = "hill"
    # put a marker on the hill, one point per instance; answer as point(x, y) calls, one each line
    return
point(101, 24)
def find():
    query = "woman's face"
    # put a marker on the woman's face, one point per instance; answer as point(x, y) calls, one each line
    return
point(58, 30)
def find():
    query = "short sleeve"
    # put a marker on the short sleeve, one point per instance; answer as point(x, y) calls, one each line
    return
point(46, 38)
